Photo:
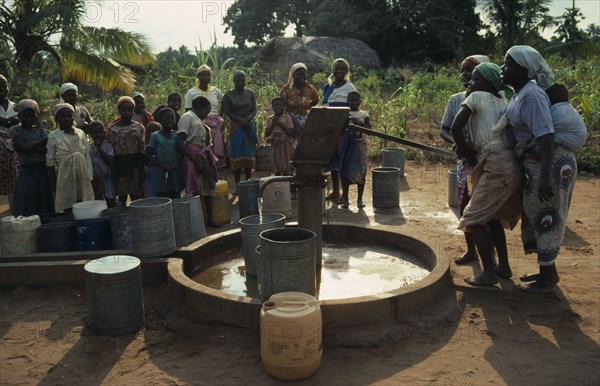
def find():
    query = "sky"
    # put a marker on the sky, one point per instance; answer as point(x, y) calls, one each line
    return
point(195, 23)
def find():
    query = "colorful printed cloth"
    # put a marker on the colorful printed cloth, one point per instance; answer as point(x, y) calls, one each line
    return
point(353, 152)
point(129, 145)
point(282, 145)
point(204, 183)
point(543, 225)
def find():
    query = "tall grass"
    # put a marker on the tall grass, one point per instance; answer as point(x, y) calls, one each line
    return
point(404, 102)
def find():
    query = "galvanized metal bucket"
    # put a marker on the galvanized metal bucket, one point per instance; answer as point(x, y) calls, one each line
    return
point(287, 260)
point(386, 187)
point(251, 228)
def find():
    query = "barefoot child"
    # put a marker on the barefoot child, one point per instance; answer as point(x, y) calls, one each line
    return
point(68, 160)
point(280, 133)
point(127, 139)
point(496, 194)
point(33, 194)
point(353, 161)
point(102, 155)
point(164, 162)
point(199, 162)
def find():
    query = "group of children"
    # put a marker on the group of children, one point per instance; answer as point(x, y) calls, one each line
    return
point(143, 154)
point(282, 132)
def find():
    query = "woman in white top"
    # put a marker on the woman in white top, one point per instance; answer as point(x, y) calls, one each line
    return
point(214, 119)
point(335, 93)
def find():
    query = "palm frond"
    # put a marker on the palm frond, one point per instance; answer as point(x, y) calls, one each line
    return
point(126, 47)
point(53, 17)
point(96, 70)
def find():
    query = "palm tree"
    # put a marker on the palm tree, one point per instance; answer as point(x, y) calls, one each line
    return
point(96, 56)
point(518, 21)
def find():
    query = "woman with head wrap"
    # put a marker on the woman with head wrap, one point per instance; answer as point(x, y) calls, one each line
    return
point(128, 139)
point(214, 120)
point(299, 95)
point(70, 94)
point(68, 160)
point(240, 106)
point(8, 157)
point(463, 168)
point(335, 93)
point(33, 194)
point(495, 181)
point(550, 169)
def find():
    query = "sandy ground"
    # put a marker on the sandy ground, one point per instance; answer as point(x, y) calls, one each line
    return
point(473, 336)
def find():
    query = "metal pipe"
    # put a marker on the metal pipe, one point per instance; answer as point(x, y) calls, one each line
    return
point(403, 141)
point(271, 180)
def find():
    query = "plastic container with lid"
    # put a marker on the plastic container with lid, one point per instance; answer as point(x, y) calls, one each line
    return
point(291, 331)
point(89, 209)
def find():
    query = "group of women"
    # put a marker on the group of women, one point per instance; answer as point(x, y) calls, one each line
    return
point(513, 163)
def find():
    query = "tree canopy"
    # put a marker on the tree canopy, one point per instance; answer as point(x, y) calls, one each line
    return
point(96, 56)
point(399, 30)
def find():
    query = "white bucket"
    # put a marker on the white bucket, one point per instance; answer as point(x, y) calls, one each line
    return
point(88, 209)
point(277, 197)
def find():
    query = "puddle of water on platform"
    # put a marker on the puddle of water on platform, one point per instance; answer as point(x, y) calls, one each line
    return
point(348, 271)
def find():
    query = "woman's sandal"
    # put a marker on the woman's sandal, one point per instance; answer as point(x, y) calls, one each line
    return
point(332, 196)
point(465, 259)
point(506, 274)
point(529, 277)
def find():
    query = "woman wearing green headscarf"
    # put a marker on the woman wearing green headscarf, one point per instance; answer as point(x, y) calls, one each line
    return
point(495, 182)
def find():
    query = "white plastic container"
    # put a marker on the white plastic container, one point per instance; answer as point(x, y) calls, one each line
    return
point(277, 197)
point(88, 209)
point(291, 332)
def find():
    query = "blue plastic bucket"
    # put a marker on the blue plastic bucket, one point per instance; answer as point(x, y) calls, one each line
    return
point(92, 234)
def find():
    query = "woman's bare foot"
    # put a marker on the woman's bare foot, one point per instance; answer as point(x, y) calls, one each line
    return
point(536, 287)
point(482, 279)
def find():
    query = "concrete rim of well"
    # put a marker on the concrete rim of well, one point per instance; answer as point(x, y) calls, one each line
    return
point(245, 311)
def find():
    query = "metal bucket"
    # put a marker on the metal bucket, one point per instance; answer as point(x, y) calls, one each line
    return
point(393, 158)
point(196, 216)
point(263, 158)
point(183, 224)
point(48, 218)
point(18, 235)
point(113, 293)
point(386, 187)
point(251, 227)
point(56, 237)
point(453, 188)
point(287, 259)
point(120, 227)
point(152, 225)
point(248, 197)
point(92, 234)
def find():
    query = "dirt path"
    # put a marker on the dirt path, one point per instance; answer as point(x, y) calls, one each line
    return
point(474, 337)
